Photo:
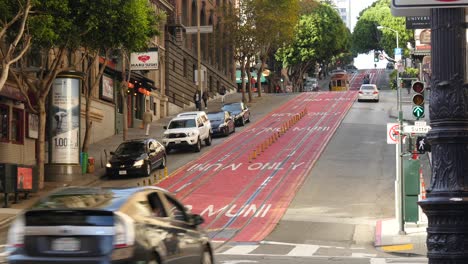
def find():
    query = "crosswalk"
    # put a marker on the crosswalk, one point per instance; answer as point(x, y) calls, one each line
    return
point(279, 249)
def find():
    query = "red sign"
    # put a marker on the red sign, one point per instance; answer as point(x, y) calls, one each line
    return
point(24, 178)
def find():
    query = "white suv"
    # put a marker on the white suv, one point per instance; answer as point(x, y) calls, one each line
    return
point(188, 130)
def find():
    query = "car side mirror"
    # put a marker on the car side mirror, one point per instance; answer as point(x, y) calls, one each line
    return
point(112, 153)
point(165, 127)
point(197, 219)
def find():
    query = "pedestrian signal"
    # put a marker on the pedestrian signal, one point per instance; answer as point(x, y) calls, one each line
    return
point(422, 146)
point(418, 99)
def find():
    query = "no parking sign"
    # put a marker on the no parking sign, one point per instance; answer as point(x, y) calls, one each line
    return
point(392, 133)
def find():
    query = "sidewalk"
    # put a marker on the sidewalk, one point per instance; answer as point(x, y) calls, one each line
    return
point(388, 240)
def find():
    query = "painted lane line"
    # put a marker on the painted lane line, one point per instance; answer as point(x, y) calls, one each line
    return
point(240, 250)
point(303, 250)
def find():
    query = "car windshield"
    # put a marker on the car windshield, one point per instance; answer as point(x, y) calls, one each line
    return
point(216, 116)
point(367, 87)
point(232, 107)
point(182, 123)
point(128, 148)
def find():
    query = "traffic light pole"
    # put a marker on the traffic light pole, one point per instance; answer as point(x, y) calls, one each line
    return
point(399, 165)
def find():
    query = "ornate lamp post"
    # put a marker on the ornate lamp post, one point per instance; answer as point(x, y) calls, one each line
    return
point(446, 205)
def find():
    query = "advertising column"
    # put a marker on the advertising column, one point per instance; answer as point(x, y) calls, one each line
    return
point(64, 129)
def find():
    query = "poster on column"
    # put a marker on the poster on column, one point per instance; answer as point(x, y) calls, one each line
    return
point(65, 121)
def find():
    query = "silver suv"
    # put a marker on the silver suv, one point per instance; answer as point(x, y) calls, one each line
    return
point(188, 130)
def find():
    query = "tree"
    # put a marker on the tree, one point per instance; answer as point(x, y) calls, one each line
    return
point(274, 26)
point(317, 37)
point(367, 37)
point(120, 31)
point(66, 29)
point(239, 23)
point(14, 39)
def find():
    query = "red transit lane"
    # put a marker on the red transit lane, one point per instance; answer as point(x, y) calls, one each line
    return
point(243, 186)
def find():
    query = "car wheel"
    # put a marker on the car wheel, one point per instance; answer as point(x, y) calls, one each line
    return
point(208, 140)
point(206, 257)
point(168, 150)
point(359, 100)
point(242, 121)
point(148, 169)
point(163, 163)
point(198, 145)
point(226, 131)
point(154, 260)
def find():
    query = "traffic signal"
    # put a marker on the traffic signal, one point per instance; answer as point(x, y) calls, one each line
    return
point(422, 145)
point(376, 56)
point(418, 99)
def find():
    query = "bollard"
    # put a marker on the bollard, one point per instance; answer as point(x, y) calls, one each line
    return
point(160, 175)
point(165, 172)
point(258, 150)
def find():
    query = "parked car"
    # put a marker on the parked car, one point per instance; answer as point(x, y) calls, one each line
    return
point(222, 123)
point(136, 157)
point(368, 92)
point(240, 112)
point(108, 225)
point(188, 130)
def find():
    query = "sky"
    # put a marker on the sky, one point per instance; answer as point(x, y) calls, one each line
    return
point(363, 61)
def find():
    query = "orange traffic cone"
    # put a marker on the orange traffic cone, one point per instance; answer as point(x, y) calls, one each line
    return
point(423, 185)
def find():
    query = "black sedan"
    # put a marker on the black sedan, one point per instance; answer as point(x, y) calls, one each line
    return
point(240, 112)
point(137, 156)
point(222, 123)
point(108, 225)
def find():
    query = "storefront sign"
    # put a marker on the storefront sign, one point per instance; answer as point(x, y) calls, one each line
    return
point(429, 3)
point(33, 126)
point(107, 92)
point(144, 60)
point(65, 121)
point(425, 37)
point(24, 178)
point(418, 22)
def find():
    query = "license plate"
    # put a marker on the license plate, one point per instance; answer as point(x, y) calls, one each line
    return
point(122, 172)
point(66, 244)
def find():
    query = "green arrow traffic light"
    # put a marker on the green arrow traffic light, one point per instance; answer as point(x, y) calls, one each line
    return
point(418, 99)
point(418, 111)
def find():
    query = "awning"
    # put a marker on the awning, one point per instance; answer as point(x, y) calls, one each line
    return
point(254, 75)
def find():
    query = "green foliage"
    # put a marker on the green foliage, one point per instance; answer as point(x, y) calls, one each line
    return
point(367, 37)
point(318, 36)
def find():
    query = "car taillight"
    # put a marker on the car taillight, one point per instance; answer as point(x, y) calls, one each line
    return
point(375, 92)
point(361, 92)
point(16, 233)
point(124, 232)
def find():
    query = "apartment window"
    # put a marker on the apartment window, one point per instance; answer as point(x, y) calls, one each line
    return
point(17, 126)
point(4, 117)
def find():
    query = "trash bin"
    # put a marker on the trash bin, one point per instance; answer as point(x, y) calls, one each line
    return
point(84, 162)
point(90, 165)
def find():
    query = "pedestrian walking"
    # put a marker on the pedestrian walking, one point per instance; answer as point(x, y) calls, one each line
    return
point(147, 119)
point(205, 98)
point(222, 92)
point(197, 100)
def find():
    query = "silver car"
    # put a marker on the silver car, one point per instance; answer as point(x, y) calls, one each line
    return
point(368, 92)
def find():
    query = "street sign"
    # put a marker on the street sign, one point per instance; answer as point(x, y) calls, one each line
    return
point(416, 129)
point(418, 111)
point(203, 29)
point(392, 133)
point(420, 123)
point(428, 3)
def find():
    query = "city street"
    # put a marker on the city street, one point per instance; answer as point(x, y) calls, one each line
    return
point(321, 176)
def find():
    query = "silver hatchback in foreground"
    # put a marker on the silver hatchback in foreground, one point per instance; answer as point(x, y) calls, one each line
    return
point(93, 225)
point(368, 92)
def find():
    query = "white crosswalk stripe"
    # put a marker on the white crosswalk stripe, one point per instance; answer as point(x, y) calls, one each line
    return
point(267, 248)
